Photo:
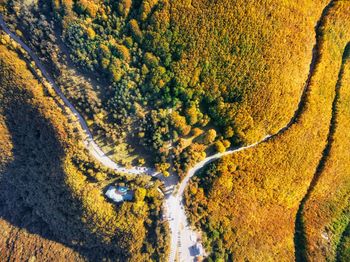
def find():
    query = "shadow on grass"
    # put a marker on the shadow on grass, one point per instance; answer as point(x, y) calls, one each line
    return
point(300, 240)
point(33, 192)
point(343, 248)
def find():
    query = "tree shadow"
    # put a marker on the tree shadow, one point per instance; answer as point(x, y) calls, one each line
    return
point(300, 237)
point(33, 192)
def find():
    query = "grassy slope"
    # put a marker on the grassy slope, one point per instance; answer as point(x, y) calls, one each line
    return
point(262, 187)
point(45, 194)
point(326, 212)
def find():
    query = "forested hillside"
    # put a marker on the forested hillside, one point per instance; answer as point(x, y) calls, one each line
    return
point(165, 75)
point(248, 202)
point(52, 205)
point(166, 84)
point(325, 213)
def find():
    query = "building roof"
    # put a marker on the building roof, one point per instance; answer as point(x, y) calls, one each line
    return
point(122, 189)
point(119, 195)
point(112, 194)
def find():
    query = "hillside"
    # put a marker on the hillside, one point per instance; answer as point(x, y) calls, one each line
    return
point(225, 122)
point(156, 75)
point(325, 213)
point(247, 202)
point(51, 201)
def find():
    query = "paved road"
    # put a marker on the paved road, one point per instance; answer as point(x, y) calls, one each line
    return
point(93, 148)
point(182, 237)
point(180, 232)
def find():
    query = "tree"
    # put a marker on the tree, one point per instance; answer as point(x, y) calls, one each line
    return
point(141, 161)
point(89, 7)
point(196, 131)
point(192, 115)
point(210, 136)
point(146, 8)
point(123, 52)
point(219, 146)
point(163, 167)
point(124, 7)
point(226, 143)
point(115, 69)
point(135, 30)
point(179, 123)
point(229, 132)
point(150, 60)
point(140, 194)
point(90, 32)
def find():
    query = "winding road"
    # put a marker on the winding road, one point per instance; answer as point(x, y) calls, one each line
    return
point(93, 148)
point(182, 236)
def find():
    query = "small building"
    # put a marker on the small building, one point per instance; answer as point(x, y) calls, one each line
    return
point(119, 194)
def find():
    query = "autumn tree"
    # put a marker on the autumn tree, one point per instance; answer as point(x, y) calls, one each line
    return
point(180, 124)
point(209, 136)
point(124, 7)
point(219, 147)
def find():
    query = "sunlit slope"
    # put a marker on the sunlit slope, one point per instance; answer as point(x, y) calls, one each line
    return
point(175, 69)
point(241, 63)
point(326, 213)
point(51, 191)
point(249, 59)
point(247, 202)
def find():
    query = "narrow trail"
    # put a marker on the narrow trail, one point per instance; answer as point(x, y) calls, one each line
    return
point(182, 237)
point(300, 240)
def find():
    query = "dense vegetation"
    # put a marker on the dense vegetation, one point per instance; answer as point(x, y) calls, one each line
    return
point(344, 246)
point(168, 82)
point(326, 212)
point(51, 191)
point(176, 66)
point(247, 202)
